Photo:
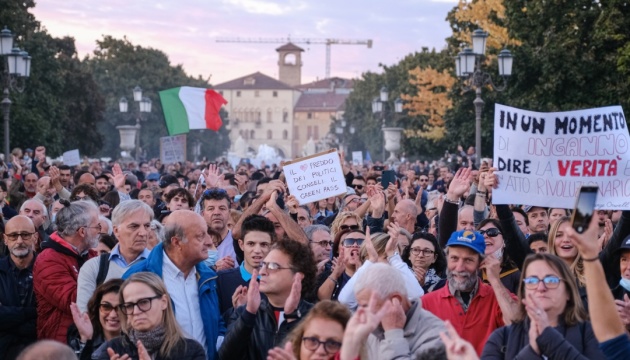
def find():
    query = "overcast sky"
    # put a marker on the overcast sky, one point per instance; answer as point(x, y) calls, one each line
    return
point(186, 30)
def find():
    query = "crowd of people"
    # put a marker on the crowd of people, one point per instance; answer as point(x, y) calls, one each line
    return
point(126, 260)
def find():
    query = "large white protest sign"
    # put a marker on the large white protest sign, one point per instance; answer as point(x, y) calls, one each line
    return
point(72, 157)
point(544, 158)
point(315, 177)
point(173, 149)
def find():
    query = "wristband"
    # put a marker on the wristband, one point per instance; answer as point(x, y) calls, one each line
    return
point(596, 258)
point(456, 202)
point(333, 280)
point(481, 192)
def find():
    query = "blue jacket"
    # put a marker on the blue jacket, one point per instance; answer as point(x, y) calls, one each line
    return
point(208, 299)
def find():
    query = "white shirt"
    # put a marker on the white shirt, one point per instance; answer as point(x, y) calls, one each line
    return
point(226, 248)
point(185, 295)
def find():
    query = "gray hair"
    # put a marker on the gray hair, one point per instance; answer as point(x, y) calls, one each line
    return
point(308, 211)
point(158, 229)
point(110, 227)
point(171, 230)
point(383, 279)
point(37, 201)
point(74, 216)
point(126, 208)
point(312, 229)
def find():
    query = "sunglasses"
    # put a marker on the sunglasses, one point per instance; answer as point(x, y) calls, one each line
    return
point(352, 242)
point(492, 232)
point(550, 281)
point(359, 187)
point(351, 227)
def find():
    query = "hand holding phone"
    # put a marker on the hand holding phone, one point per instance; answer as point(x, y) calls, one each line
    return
point(584, 208)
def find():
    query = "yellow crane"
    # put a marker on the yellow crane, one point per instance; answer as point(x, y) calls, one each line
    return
point(327, 42)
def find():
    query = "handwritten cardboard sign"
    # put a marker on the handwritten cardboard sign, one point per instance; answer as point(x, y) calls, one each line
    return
point(72, 157)
point(173, 149)
point(315, 177)
point(544, 158)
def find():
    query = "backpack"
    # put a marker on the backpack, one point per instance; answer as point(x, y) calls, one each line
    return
point(103, 268)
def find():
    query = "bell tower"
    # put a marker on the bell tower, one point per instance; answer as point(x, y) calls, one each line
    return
point(290, 64)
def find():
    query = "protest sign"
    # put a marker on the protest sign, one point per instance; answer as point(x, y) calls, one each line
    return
point(544, 158)
point(172, 149)
point(357, 158)
point(71, 157)
point(315, 177)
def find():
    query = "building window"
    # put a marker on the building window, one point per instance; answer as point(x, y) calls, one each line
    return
point(269, 116)
point(285, 134)
point(285, 115)
point(309, 115)
point(309, 132)
point(238, 94)
point(256, 93)
point(269, 134)
point(275, 94)
point(249, 81)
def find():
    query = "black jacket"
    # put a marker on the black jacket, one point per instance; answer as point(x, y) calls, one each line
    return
point(512, 342)
point(251, 336)
point(189, 350)
point(18, 321)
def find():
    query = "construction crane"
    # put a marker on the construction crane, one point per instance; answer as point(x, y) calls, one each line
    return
point(327, 42)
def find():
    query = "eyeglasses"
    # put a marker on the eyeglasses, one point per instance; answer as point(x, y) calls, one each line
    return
point(322, 243)
point(273, 266)
point(80, 198)
point(351, 227)
point(492, 232)
point(352, 242)
point(97, 227)
point(106, 307)
point(143, 305)
point(330, 346)
point(357, 186)
point(550, 281)
point(424, 252)
point(24, 235)
point(423, 180)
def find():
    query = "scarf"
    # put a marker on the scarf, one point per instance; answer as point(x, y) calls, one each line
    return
point(152, 339)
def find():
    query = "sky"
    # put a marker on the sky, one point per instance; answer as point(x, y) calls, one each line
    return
point(187, 30)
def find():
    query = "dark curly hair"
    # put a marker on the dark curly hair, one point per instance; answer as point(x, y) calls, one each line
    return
point(302, 260)
point(440, 261)
point(93, 306)
point(87, 189)
point(181, 192)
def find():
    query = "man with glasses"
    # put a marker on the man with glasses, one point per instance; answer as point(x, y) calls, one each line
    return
point(131, 221)
point(474, 308)
point(18, 309)
point(320, 241)
point(286, 275)
point(258, 236)
point(358, 184)
point(179, 261)
point(57, 267)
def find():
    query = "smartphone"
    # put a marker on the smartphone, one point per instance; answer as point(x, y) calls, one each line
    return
point(388, 177)
point(584, 208)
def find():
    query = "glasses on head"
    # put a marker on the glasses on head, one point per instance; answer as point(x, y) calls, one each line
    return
point(312, 343)
point(106, 307)
point(424, 252)
point(273, 266)
point(492, 232)
point(24, 235)
point(357, 186)
point(351, 227)
point(143, 305)
point(352, 242)
point(550, 282)
point(323, 243)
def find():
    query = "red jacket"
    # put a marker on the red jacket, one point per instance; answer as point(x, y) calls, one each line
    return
point(55, 276)
point(475, 325)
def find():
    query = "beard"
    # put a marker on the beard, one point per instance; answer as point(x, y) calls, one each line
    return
point(467, 284)
point(92, 242)
point(21, 251)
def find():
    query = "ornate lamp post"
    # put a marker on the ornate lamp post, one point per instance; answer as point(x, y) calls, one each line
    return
point(468, 68)
point(342, 133)
point(16, 69)
point(391, 135)
point(144, 106)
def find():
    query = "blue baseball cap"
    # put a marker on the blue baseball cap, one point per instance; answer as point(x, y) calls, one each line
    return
point(153, 177)
point(470, 239)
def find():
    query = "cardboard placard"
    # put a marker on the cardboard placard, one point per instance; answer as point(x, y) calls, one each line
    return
point(173, 149)
point(71, 157)
point(315, 177)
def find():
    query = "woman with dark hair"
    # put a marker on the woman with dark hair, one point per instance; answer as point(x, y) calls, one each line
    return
point(84, 192)
point(99, 324)
point(495, 245)
point(106, 243)
point(426, 259)
point(552, 322)
point(346, 261)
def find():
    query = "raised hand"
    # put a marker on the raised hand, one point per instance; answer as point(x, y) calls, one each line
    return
point(392, 244)
point(460, 183)
point(239, 297)
point(253, 294)
point(113, 356)
point(420, 274)
point(369, 246)
point(608, 231)
point(492, 266)
point(82, 322)
point(279, 353)
point(119, 178)
point(456, 347)
point(360, 325)
point(212, 175)
point(339, 264)
point(143, 354)
point(491, 180)
point(292, 302)
point(292, 204)
point(225, 263)
point(395, 317)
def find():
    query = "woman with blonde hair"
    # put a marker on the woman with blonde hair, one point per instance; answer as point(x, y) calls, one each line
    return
point(150, 331)
point(346, 220)
point(561, 246)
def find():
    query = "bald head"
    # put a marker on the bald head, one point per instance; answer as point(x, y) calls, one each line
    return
point(19, 223)
point(20, 237)
point(409, 207)
point(405, 214)
point(47, 350)
point(87, 178)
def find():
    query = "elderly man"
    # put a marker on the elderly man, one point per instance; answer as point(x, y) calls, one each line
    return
point(406, 330)
point(131, 221)
point(18, 309)
point(57, 267)
point(37, 212)
point(405, 214)
point(179, 261)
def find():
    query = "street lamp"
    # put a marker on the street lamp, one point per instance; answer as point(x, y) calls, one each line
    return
point(380, 105)
point(468, 67)
point(144, 106)
point(16, 69)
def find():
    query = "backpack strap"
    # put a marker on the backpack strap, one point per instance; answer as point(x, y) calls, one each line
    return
point(103, 268)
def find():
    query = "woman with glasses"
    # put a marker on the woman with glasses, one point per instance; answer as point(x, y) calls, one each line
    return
point(552, 323)
point(495, 246)
point(318, 336)
point(346, 220)
point(427, 261)
point(84, 192)
point(99, 324)
point(346, 261)
point(149, 328)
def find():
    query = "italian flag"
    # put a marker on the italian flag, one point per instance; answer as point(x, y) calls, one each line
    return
point(187, 108)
